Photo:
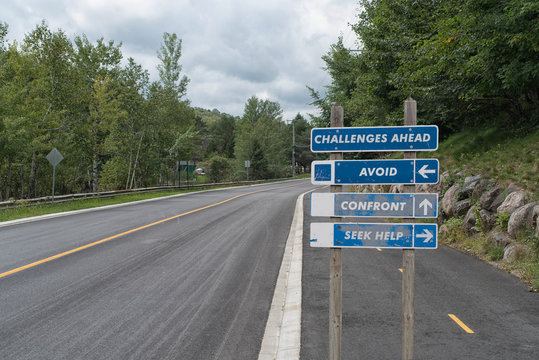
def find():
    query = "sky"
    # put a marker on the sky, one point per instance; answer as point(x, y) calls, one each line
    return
point(231, 50)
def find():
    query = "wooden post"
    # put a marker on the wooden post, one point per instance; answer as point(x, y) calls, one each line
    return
point(408, 256)
point(335, 266)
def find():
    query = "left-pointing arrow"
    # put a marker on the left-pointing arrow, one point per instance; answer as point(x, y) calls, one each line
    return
point(427, 235)
point(424, 171)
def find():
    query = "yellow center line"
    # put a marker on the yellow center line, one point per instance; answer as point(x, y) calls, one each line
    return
point(461, 324)
point(50, 258)
point(378, 249)
point(401, 270)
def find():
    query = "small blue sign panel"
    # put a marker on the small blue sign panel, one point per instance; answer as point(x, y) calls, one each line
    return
point(381, 138)
point(396, 236)
point(348, 172)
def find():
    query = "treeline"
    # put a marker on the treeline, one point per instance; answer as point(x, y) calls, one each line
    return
point(115, 128)
point(467, 63)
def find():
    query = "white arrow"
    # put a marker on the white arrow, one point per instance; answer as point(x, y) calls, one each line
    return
point(427, 235)
point(425, 204)
point(423, 171)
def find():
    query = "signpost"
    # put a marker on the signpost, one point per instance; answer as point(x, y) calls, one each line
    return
point(414, 171)
point(418, 205)
point(382, 138)
point(54, 158)
point(407, 236)
point(247, 166)
point(371, 235)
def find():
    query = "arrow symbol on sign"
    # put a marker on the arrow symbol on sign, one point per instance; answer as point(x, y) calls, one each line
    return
point(423, 171)
point(425, 204)
point(427, 235)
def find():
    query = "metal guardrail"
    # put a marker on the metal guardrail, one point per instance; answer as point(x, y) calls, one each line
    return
point(71, 197)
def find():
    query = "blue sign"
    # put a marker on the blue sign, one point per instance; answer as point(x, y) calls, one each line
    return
point(347, 172)
point(395, 236)
point(381, 138)
point(420, 205)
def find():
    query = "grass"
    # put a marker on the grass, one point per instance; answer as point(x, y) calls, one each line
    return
point(51, 208)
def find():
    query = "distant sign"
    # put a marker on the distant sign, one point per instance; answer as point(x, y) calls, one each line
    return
point(395, 236)
point(54, 157)
point(382, 138)
point(247, 164)
point(419, 205)
point(344, 172)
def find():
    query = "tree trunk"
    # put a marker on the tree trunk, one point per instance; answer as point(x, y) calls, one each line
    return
point(32, 179)
point(22, 181)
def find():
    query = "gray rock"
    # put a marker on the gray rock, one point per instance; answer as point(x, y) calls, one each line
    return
point(521, 219)
point(444, 182)
point(500, 239)
point(488, 198)
point(467, 189)
point(449, 199)
point(535, 218)
point(515, 251)
point(488, 218)
point(470, 219)
point(513, 201)
point(481, 187)
point(461, 207)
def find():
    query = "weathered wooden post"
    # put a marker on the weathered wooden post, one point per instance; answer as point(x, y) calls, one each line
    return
point(408, 256)
point(335, 266)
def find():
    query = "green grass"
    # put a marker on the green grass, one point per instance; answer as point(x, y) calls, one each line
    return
point(51, 208)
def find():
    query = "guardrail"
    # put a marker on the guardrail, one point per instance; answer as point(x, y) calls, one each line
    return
point(103, 194)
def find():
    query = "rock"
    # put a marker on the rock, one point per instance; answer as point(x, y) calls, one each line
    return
point(469, 220)
point(512, 202)
point(535, 218)
point(515, 251)
point(521, 219)
point(443, 231)
point(461, 207)
point(488, 198)
point(469, 184)
point(488, 219)
point(444, 182)
point(481, 187)
point(449, 199)
point(500, 239)
point(398, 188)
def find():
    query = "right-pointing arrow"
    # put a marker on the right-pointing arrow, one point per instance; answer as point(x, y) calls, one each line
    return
point(425, 204)
point(427, 235)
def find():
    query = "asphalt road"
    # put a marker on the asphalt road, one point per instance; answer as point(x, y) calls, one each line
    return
point(496, 306)
point(198, 286)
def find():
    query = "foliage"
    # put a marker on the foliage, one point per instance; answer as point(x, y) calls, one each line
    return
point(467, 63)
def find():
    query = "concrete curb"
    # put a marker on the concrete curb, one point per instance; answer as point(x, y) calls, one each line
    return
point(282, 337)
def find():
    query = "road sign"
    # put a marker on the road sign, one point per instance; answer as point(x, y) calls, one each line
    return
point(419, 205)
point(395, 236)
point(381, 138)
point(247, 163)
point(346, 172)
point(54, 157)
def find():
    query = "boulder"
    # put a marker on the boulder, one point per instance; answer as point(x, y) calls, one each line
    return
point(512, 202)
point(467, 189)
point(535, 218)
point(481, 187)
point(461, 207)
point(444, 182)
point(470, 219)
point(488, 218)
point(522, 219)
point(515, 251)
point(488, 198)
point(449, 199)
point(500, 239)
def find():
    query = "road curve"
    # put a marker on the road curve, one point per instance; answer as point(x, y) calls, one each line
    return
point(196, 286)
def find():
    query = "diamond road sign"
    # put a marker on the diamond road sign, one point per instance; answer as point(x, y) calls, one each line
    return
point(394, 236)
point(381, 138)
point(348, 172)
point(419, 205)
point(54, 157)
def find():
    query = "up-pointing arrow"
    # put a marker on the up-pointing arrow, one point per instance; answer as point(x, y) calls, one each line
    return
point(425, 204)
point(427, 235)
point(424, 171)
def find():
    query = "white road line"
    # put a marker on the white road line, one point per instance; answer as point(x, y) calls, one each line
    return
point(282, 337)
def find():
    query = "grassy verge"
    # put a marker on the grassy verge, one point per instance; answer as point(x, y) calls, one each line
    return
point(51, 208)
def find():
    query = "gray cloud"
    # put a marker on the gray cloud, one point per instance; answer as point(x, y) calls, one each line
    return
point(231, 49)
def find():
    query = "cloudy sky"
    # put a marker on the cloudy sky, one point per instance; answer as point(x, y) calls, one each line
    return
point(232, 49)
